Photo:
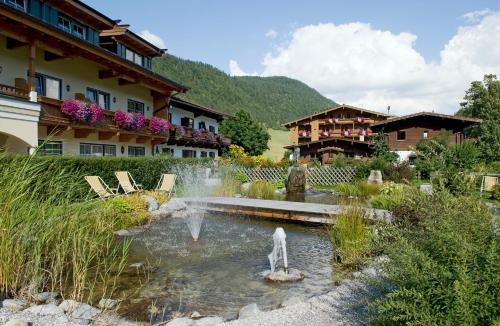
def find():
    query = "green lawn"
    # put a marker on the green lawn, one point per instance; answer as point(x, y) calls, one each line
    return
point(279, 138)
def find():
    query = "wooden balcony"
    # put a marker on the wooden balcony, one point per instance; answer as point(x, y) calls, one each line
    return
point(57, 122)
point(184, 136)
point(14, 91)
point(346, 122)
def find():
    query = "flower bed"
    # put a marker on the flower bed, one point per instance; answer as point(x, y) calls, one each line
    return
point(159, 126)
point(81, 111)
point(129, 121)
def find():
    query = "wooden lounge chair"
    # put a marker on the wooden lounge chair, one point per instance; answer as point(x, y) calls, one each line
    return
point(127, 183)
point(100, 187)
point(167, 183)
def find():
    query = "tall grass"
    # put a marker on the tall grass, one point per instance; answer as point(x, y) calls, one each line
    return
point(358, 189)
point(228, 187)
point(49, 243)
point(261, 189)
point(350, 237)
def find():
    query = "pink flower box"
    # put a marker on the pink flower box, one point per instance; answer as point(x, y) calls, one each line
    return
point(129, 121)
point(159, 126)
point(81, 111)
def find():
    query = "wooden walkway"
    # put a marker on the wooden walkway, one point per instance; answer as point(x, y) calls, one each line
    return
point(278, 209)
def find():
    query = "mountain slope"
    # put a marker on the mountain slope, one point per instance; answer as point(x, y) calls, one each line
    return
point(272, 100)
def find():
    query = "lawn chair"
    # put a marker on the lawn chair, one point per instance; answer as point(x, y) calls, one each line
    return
point(127, 183)
point(167, 183)
point(100, 187)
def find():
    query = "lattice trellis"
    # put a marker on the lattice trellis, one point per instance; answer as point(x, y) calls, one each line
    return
point(315, 176)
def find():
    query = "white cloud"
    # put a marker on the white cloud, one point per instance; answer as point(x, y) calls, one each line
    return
point(272, 34)
point(153, 39)
point(235, 70)
point(357, 64)
point(476, 16)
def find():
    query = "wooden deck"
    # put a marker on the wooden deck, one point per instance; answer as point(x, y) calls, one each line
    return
point(285, 210)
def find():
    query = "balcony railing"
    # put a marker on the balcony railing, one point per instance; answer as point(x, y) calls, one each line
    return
point(13, 91)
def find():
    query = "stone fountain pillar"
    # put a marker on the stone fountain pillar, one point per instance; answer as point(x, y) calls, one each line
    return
point(296, 180)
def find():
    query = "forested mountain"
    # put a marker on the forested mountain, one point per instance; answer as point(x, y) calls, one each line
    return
point(272, 100)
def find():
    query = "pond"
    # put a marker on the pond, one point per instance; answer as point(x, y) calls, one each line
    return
point(223, 271)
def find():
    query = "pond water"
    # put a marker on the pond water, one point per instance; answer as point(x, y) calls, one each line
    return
point(222, 272)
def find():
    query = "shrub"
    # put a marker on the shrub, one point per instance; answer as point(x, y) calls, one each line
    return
point(261, 189)
point(160, 196)
point(399, 173)
point(131, 210)
point(443, 270)
point(495, 194)
point(145, 170)
point(346, 189)
point(454, 181)
point(229, 186)
point(391, 196)
point(47, 242)
point(350, 238)
point(366, 189)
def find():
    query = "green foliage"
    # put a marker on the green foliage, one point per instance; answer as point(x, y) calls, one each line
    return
point(261, 189)
point(391, 196)
point(382, 150)
point(145, 170)
point(454, 181)
point(131, 211)
point(246, 132)
point(463, 156)
point(495, 194)
point(230, 186)
point(400, 173)
point(273, 100)
point(346, 189)
point(358, 189)
point(482, 100)
point(442, 270)
point(350, 237)
point(48, 243)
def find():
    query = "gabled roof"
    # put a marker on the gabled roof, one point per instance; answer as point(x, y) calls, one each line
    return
point(190, 106)
point(342, 106)
point(84, 12)
point(331, 139)
point(134, 41)
point(439, 116)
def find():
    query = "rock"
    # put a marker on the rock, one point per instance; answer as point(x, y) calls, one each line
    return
point(183, 321)
point(44, 297)
point(375, 177)
point(291, 302)
point(237, 196)
point(14, 304)
point(123, 233)
point(209, 321)
point(136, 265)
point(84, 313)
point(426, 188)
point(45, 310)
point(69, 305)
point(17, 322)
point(195, 315)
point(245, 186)
point(248, 311)
point(293, 275)
point(108, 303)
point(153, 204)
point(280, 191)
point(173, 205)
point(296, 181)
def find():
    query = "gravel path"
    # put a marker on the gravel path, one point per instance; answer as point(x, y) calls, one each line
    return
point(341, 306)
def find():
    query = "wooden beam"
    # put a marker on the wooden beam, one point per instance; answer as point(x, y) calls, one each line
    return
point(83, 133)
point(106, 135)
point(125, 137)
point(49, 56)
point(157, 141)
point(14, 44)
point(31, 67)
point(142, 139)
point(124, 82)
point(104, 74)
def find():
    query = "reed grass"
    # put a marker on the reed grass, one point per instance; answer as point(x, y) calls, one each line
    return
point(261, 189)
point(229, 186)
point(350, 237)
point(48, 243)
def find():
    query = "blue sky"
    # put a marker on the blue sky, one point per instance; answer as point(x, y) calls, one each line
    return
point(218, 31)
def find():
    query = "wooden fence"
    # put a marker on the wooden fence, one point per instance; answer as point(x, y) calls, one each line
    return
point(315, 176)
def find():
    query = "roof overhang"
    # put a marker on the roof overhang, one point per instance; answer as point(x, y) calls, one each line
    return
point(83, 13)
point(447, 121)
point(122, 34)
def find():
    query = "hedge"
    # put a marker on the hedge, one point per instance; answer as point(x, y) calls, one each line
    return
point(145, 170)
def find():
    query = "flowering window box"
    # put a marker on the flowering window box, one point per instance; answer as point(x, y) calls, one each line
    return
point(82, 112)
point(129, 121)
point(159, 126)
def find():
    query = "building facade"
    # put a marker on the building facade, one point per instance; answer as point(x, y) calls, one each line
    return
point(342, 130)
point(402, 134)
point(54, 51)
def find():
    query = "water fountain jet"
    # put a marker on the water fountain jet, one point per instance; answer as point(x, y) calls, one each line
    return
point(279, 253)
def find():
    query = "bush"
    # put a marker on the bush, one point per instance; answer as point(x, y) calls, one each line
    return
point(131, 211)
point(495, 194)
point(443, 270)
point(261, 189)
point(391, 196)
point(455, 182)
point(400, 173)
point(358, 189)
point(346, 189)
point(350, 238)
point(145, 170)
point(229, 186)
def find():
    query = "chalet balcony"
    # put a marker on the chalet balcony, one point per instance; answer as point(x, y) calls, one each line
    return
point(14, 91)
point(185, 136)
point(346, 121)
point(106, 128)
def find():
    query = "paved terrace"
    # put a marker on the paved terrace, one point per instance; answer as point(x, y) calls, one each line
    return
point(285, 210)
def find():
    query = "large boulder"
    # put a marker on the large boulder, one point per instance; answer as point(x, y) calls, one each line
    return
point(375, 177)
point(296, 181)
point(108, 303)
point(46, 297)
point(173, 205)
point(248, 311)
point(13, 304)
point(183, 321)
point(209, 321)
point(17, 322)
point(84, 314)
point(293, 275)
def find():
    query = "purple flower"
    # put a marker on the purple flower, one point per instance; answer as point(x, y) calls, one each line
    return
point(159, 126)
point(129, 121)
point(81, 111)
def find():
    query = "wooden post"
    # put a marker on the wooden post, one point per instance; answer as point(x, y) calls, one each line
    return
point(315, 130)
